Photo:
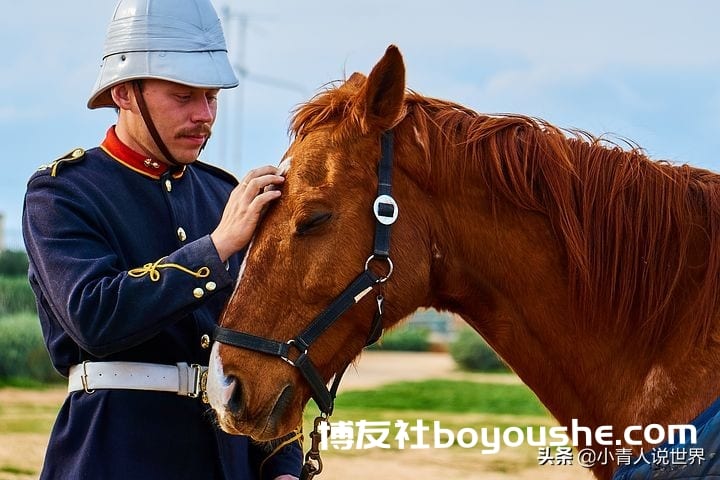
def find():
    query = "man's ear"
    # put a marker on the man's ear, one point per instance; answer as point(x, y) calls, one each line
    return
point(122, 95)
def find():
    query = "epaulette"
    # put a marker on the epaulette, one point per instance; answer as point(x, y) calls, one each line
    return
point(217, 171)
point(74, 155)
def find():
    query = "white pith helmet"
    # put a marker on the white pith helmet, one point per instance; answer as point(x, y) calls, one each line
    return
point(177, 40)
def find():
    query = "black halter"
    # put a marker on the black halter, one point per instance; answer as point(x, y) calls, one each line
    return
point(386, 212)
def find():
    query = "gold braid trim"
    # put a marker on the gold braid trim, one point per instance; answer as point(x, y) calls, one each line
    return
point(70, 157)
point(153, 269)
point(296, 436)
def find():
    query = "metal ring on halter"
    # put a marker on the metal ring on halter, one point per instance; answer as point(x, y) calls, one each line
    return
point(303, 352)
point(390, 267)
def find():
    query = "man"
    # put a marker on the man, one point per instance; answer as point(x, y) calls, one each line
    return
point(134, 249)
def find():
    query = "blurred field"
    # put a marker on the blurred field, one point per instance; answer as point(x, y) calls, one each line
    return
point(26, 417)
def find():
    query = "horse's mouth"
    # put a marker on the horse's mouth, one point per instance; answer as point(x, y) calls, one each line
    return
point(229, 398)
point(282, 403)
point(279, 410)
point(258, 427)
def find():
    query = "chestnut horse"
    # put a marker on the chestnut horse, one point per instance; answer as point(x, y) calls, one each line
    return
point(590, 269)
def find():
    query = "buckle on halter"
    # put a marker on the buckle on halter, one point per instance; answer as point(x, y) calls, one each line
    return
point(291, 343)
point(385, 209)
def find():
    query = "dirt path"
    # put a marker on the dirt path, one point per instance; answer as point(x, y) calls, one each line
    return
point(445, 465)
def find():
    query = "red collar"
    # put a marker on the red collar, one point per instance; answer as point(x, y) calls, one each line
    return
point(128, 157)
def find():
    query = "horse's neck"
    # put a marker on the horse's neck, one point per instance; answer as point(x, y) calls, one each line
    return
point(504, 272)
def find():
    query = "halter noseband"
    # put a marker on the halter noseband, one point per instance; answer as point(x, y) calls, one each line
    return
point(386, 212)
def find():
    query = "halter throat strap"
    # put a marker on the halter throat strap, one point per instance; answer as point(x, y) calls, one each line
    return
point(145, 113)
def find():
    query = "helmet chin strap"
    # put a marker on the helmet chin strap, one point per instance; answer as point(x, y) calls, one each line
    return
point(145, 113)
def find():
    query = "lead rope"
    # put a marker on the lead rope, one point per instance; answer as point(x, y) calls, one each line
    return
point(313, 463)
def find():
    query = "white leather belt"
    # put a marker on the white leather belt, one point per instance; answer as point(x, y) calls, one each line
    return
point(181, 378)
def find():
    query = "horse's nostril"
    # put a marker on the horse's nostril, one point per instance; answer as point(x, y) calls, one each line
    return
point(235, 402)
point(227, 381)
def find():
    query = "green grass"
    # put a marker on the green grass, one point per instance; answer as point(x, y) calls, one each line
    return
point(23, 355)
point(446, 396)
point(16, 470)
point(26, 383)
point(27, 418)
point(446, 404)
point(16, 295)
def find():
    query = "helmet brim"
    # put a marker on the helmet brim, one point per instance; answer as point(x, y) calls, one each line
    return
point(208, 69)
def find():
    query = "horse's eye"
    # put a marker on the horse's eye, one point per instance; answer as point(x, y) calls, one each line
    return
point(312, 222)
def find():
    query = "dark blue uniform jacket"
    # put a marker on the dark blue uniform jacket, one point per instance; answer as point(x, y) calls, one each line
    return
point(123, 269)
point(706, 465)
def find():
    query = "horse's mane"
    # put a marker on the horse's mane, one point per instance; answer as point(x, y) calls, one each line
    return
point(642, 237)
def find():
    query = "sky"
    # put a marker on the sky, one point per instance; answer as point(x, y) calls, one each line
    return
point(644, 70)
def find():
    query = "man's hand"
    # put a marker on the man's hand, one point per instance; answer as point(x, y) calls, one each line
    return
point(243, 209)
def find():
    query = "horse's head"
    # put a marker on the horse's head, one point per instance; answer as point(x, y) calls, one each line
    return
point(311, 245)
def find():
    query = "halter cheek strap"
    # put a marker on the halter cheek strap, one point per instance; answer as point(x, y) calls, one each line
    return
point(145, 113)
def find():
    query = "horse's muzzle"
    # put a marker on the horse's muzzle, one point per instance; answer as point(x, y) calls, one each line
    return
point(227, 395)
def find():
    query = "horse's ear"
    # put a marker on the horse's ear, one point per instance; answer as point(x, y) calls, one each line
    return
point(385, 90)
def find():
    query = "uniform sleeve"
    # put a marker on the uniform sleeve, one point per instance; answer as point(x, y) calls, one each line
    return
point(104, 306)
point(280, 457)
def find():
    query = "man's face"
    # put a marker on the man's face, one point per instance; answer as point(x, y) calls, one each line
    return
point(183, 116)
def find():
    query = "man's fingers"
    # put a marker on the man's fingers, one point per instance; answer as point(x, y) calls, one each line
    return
point(258, 184)
point(259, 202)
point(258, 172)
point(244, 209)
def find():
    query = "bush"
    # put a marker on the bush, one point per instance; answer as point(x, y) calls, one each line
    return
point(471, 352)
point(22, 350)
point(406, 339)
point(13, 263)
point(16, 295)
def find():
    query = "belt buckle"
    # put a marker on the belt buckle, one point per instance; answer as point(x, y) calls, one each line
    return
point(199, 382)
point(84, 378)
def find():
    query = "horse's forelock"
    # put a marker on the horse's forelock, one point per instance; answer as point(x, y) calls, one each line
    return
point(328, 107)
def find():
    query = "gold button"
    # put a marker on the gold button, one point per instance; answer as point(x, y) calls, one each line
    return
point(168, 185)
point(210, 286)
point(182, 236)
point(205, 341)
point(198, 292)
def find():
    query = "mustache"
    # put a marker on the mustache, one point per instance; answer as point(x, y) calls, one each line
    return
point(202, 129)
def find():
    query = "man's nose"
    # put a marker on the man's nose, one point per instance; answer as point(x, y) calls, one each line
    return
point(204, 110)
